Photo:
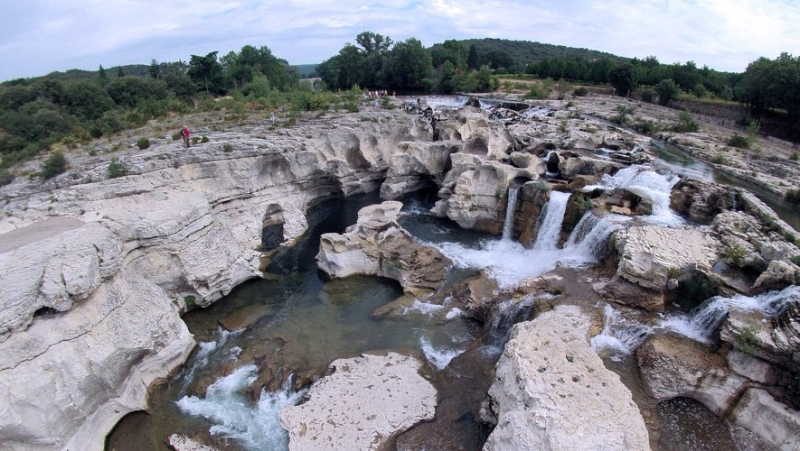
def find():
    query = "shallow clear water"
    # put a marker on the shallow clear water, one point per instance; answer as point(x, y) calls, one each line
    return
point(233, 386)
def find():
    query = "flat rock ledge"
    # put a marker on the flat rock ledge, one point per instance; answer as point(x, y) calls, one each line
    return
point(553, 392)
point(364, 404)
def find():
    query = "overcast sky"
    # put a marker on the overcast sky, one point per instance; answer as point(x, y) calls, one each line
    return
point(40, 36)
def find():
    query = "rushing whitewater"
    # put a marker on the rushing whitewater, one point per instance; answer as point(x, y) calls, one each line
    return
point(509, 262)
point(620, 336)
point(508, 225)
point(707, 318)
point(438, 357)
point(647, 184)
point(227, 407)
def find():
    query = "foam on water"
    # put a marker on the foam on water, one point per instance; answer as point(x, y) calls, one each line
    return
point(706, 319)
point(423, 308)
point(438, 357)
point(550, 228)
point(453, 313)
point(255, 427)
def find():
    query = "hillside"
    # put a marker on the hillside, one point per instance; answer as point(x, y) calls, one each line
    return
point(524, 52)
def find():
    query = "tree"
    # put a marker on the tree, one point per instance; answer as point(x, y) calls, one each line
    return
point(448, 80)
point(154, 69)
point(102, 73)
point(623, 78)
point(206, 73)
point(666, 90)
point(450, 50)
point(373, 43)
point(120, 73)
point(473, 58)
point(410, 65)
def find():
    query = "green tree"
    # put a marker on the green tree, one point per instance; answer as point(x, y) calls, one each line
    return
point(448, 79)
point(206, 73)
point(473, 58)
point(410, 65)
point(86, 99)
point(154, 69)
point(102, 73)
point(120, 73)
point(623, 78)
point(666, 90)
point(55, 164)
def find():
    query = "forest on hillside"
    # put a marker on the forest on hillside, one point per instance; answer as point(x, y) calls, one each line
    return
point(78, 106)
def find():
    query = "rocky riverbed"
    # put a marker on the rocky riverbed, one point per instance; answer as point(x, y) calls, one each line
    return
point(97, 271)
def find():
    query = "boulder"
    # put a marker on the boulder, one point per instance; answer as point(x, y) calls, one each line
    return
point(378, 245)
point(571, 167)
point(701, 201)
point(417, 165)
point(364, 404)
point(778, 275)
point(552, 391)
point(648, 256)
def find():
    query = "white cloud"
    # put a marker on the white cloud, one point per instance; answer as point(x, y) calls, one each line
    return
point(44, 35)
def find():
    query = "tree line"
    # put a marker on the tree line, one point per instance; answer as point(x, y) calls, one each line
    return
point(377, 62)
point(35, 114)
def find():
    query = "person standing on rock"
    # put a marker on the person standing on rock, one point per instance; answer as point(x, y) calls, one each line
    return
point(185, 135)
point(272, 117)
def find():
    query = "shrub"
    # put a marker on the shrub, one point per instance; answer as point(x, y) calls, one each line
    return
point(699, 91)
point(55, 164)
point(736, 255)
point(195, 140)
point(190, 300)
point(580, 92)
point(622, 114)
point(646, 127)
point(666, 90)
point(116, 169)
point(747, 340)
point(537, 92)
point(739, 141)
point(686, 123)
point(176, 136)
point(143, 143)
point(227, 148)
point(719, 159)
point(204, 139)
point(6, 177)
point(648, 96)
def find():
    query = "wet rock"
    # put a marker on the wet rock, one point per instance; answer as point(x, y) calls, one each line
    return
point(378, 245)
point(364, 404)
point(674, 366)
point(553, 392)
point(775, 340)
point(571, 167)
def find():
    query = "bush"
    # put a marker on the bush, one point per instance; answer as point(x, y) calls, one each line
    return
point(622, 116)
point(6, 177)
point(719, 159)
point(747, 340)
point(537, 92)
point(739, 141)
point(55, 164)
point(646, 127)
point(699, 91)
point(227, 148)
point(143, 143)
point(736, 255)
point(794, 156)
point(195, 140)
point(686, 123)
point(580, 92)
point(176, 136)
point(666, 90)
point(116, 169)
point(204, 139)
point(793, 196)
point(648, 96)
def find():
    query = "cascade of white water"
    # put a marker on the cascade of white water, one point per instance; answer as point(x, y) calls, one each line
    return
point(504, 316)
point(550, 227)
point(508, 225)
point(620, 336)
point(647, 184)
point(707, 318)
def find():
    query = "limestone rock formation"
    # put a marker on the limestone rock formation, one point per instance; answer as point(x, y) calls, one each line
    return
point(364, 404)
point(674, 366)
point(378, 245)
point(648, 255)
point(701, 201)
point(553, 392)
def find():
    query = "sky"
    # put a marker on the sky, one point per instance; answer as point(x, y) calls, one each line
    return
point(41, 36)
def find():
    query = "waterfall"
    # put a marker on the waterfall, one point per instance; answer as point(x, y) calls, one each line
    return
point(706, 319)
point(504, 316)
point(590, 236)
point(620, 336)
point(648, 184)
point(508, 225)
point(550, 227)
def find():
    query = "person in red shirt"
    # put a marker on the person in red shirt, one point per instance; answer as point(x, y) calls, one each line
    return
point(185, 135)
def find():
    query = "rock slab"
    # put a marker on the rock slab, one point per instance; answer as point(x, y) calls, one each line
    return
point(364, 404)
point(553, 392)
